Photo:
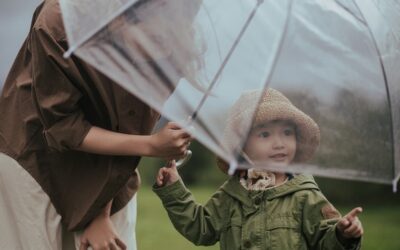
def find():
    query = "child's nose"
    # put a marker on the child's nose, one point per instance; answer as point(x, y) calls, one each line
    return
point(278, 142)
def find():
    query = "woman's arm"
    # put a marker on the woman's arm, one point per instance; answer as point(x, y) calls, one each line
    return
point(170, 142)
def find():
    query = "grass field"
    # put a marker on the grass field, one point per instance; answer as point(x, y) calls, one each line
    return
point(154, 230)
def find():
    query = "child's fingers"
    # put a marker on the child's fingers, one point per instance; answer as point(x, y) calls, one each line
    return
point(160, 177)
point(359, 232)
point(159, 181)
point(173, 169)
point(352, 215)
point(354, 230)
point(171, 163)
point(160, 174)
point(342, 224)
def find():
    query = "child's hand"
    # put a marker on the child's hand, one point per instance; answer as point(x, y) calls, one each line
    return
point(350, 226)
point(170, 142)
point(100, 234)
point(167, 175)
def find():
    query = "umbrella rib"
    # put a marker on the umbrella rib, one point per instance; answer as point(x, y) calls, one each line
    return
point(394, 183)
point(89, 35)
point(349, 11)
point(386, 85)
point(222, 67)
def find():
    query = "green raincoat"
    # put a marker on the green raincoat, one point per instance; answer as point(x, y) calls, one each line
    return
point(295, 215)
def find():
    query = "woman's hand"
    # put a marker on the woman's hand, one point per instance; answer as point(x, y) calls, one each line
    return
point(170, 142)
point(167, 175)
point(101, 234)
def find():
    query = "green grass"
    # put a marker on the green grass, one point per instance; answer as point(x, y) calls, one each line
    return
point(155, 231)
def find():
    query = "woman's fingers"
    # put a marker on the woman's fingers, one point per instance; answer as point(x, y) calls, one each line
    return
point(120, 244)
point(84, 245)
point(113, 245)
point(178, 131)
point(173, 125)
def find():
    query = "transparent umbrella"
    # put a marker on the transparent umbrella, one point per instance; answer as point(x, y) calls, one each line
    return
point(337, 61)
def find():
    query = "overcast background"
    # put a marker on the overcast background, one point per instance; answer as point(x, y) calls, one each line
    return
point(15, 18)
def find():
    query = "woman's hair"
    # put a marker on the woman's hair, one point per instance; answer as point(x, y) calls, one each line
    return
point(175, 22)
point(172, 24)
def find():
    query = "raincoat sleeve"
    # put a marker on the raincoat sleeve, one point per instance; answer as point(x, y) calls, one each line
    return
point(199, 224)
point(54, 93)
point(319, 224)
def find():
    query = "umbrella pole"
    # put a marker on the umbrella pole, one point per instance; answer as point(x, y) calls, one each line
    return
point(193, 117)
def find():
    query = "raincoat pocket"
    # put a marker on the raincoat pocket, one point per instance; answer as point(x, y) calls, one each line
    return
point(284, 233)
point(231, 236)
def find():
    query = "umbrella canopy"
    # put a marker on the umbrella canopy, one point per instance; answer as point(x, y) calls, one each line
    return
point(336, 61)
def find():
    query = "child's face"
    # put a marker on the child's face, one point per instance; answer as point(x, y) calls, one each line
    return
point(273, 142)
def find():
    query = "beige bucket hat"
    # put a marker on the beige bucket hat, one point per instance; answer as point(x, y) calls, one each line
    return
point(272, 106)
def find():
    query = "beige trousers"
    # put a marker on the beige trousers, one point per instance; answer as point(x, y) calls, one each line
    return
point(28, 220)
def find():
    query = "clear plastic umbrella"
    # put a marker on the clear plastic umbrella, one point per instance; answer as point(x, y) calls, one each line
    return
point(191, 60)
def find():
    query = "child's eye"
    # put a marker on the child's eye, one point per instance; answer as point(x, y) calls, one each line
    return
point(288, 131)
point(264, 134)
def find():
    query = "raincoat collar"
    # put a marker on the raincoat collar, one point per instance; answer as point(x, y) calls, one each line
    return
point(251, 200)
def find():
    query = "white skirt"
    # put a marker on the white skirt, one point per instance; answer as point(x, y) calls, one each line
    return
point(28, 220)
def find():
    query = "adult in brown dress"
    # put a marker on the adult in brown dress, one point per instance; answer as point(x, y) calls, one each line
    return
point(70, 142)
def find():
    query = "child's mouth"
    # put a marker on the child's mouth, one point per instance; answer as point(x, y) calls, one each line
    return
point(278, 157)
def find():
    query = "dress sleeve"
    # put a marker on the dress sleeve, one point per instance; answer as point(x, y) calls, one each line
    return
point(199, 224)
point(56, 94)
point(319, 224)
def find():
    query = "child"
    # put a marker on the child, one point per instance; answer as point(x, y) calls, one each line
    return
point(259, 209)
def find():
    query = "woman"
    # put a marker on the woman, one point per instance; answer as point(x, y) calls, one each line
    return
point(70, 142)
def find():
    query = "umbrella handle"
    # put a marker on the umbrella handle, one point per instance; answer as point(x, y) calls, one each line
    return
point(181, 162)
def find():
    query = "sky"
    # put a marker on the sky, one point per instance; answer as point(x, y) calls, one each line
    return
point(15, 17)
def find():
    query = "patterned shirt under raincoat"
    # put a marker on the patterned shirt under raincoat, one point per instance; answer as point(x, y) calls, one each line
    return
point(294, 215)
